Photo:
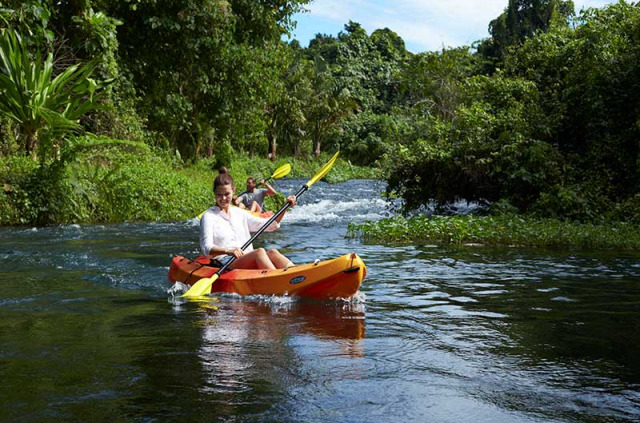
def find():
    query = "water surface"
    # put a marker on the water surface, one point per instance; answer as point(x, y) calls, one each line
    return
point(88, 331)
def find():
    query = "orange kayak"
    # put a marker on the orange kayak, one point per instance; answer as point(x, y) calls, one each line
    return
point(336, 278)
point(264, 214)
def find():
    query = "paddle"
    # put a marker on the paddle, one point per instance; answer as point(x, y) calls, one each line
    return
point(280, 172)
point(203, 286)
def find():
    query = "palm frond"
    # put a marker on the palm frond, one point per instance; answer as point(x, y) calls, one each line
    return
point(30, 97)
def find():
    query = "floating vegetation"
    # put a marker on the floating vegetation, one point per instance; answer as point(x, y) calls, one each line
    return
point(498, 230)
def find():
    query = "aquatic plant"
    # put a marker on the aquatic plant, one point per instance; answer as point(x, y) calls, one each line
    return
point(508, 230)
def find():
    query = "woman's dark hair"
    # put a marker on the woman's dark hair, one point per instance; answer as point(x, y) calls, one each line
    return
point(223, 178)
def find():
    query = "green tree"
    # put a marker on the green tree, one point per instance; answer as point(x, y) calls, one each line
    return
point(493, 149)
point(366, 68)
point(290, 107)
point(327, 106)
point(432, 83)
point(588, 79)
point(520, 20)
point(78, 33)
point(201, 77)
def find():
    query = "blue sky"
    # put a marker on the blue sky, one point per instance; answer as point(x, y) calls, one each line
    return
point(424, 25)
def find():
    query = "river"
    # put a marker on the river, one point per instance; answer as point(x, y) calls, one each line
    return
point(89, 331)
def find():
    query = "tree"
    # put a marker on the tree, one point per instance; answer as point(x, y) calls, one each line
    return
point(328, 104)
point(201, 77)
point(289, 107)
point(520, 20)
point(276, 96)
point(431, 83)
point(492, 150)
point(588, 79)
point(364, 68)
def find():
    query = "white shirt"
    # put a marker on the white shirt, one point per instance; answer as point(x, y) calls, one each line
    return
point(229, 231)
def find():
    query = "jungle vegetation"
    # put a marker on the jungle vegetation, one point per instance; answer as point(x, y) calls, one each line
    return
point(540, 118)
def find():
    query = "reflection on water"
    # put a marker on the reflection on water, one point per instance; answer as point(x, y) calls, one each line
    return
point(436, 334)
point(243, 340)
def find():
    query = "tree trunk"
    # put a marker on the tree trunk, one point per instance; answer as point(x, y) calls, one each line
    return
point(31, 143)
point(317, 140)
point(297, 149)
point(198, 142)
point(272, 148)
point(271, 133)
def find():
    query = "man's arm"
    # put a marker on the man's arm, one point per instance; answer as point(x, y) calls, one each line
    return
point(270, 189)
point(240, 199)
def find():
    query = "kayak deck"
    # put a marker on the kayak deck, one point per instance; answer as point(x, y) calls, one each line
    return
point(336, 278)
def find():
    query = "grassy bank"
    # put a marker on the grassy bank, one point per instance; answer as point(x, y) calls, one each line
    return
point(115, 183)
point(502, 230)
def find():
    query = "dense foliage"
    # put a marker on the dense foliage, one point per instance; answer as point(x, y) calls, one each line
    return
point(541, 117)
point(553, 130)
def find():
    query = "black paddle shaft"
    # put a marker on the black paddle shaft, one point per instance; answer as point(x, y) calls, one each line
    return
point(263, 228)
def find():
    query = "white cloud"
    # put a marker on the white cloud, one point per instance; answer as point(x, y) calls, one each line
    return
point(422, 24)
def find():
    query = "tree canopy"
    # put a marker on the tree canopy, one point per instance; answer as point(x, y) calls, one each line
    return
point(539, 117)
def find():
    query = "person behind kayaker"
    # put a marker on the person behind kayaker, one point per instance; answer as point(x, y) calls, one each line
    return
point(225, 229)
point(252, 197)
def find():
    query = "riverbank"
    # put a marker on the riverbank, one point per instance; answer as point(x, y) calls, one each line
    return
point(498, 230)
point(115, 183)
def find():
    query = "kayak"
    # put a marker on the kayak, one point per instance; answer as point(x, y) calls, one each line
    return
point(329, 279)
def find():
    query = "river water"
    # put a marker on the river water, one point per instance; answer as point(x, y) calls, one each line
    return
point(89, 332)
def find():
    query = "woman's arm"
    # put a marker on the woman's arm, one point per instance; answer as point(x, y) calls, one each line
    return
point(291, 199)
point(255, 223)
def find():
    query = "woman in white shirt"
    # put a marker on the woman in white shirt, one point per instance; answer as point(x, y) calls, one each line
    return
point(224, 229)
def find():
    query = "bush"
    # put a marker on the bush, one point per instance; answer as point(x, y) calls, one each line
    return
point(110, 186)
point(106, 180)
point(16, 204)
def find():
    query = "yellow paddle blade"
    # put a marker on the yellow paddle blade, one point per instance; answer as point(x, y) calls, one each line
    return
point(325, 169)
point(202, 287)
point(282, 171)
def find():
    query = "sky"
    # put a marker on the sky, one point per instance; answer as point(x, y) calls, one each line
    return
point(424, 25)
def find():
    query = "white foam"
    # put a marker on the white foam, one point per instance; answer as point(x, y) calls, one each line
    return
point(193, 222)
point(177, 288)
point(362, 209)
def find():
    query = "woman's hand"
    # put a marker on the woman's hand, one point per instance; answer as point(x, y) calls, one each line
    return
point(234, 252)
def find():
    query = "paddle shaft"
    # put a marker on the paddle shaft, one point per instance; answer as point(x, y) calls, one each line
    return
point(263, 228)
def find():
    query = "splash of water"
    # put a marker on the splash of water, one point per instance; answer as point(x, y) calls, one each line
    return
point(333, 210)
